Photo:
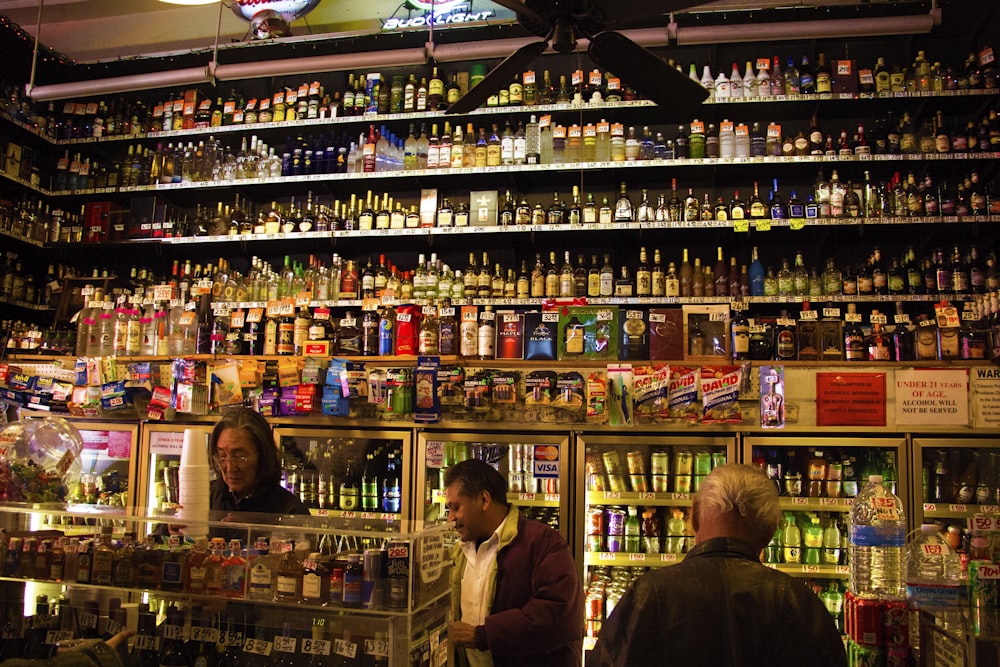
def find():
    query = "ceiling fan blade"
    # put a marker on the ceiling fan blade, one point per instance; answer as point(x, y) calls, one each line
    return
point(521, 8)
point(628, 13)
point(674, 92)
point(499, 77)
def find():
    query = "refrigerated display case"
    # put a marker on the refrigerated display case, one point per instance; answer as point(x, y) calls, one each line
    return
point(107, 462)
point(959, 477)
point(349, 472)
point(538, 468)
point(159, 461)
point(635, 507)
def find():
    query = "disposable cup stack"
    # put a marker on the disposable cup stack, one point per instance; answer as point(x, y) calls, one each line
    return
point(193, 476)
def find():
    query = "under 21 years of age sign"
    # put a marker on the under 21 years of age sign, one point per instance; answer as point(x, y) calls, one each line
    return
point(938, 396)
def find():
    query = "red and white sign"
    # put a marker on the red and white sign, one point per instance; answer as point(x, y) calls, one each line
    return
point(288, 9)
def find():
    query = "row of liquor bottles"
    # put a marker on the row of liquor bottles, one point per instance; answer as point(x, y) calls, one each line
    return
point(169, 635)
point(539, 141)
point(432, 91)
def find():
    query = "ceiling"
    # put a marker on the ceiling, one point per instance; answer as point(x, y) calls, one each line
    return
point(102, 30)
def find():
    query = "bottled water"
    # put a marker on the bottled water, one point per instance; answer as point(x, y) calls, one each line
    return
point(933, 580)
point(877, 537)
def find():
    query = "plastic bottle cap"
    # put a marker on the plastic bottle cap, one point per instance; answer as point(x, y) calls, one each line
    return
point(930, 528)
point(875, 478)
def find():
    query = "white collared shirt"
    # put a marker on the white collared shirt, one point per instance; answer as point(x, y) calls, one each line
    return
point(475, 588)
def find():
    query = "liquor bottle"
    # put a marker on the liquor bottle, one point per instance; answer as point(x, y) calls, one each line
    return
point(877, 344)
point(785, 338)
point(854, 341)
point(607, 277)
point(756, 208)
point(740, 333)
point(756, 275)
point(623, 206)
point(643, 275)
point(172, 651)
point(902, 336)
point(144, 647)
point(350, 491)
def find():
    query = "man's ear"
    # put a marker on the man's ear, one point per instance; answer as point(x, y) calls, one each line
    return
point(485, 499)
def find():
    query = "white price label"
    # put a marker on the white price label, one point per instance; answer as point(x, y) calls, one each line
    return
point(957, 508)
point(202, 634)
point(379, 648)
point(637, 557)
point(87, 620)
point(316, 646)
point(604, 315)
point(56, 636)
point(718, 317)
point(668, 558)
point(831, 312)
point(257, 647)
point(612, 495)
point(982, 523)
point(285, 644)
point(808, 315)
point(345, 648)
point(878, 318)
point(173, 632)
point(853, 317)
point(800, 501)
point(147, 643)
point(901, 319)
point(606, 556)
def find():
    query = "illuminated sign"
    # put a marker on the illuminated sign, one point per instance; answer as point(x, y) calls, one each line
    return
point(287, 9)
point(442, 13)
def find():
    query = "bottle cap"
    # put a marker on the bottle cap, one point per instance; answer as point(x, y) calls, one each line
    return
point(875, 478)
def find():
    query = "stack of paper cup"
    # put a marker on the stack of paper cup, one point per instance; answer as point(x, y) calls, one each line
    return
point(193, 476)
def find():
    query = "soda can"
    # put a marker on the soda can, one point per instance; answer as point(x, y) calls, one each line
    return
point(551, 485)
point(683, 462)
point(612, 463)
point(373, 581)
point(718, 459)
point(659, 463)
point(897, 657)
point(515, 458)
point(702, 463)
point(661, 483)
point(593, 627)
point(595, 607)
point(616, 521)
point(636, 462)
point(596, 482)
point(615, 544)
point(896, 618)
point(515, 482)
point(616, 483)
point(594, 544)
point(639, 483)
point(595, 521)
point(869, 628)
point(682, 483)
point(696, 482)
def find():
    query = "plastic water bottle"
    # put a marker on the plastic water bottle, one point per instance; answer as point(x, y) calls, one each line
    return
point(933, 580)
point(877, 537)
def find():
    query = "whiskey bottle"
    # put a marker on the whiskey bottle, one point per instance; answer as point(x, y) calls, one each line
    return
point(623, 285)
point(643, 276)
point(854, 341)
point(623, 206)
point(657, 276)
point(877, 344)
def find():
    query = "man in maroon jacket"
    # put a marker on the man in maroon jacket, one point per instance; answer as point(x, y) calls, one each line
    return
point(516, 594)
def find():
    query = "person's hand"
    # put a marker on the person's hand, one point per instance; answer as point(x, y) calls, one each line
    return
point(462, 634)
point(119, 638)
point(77, 644)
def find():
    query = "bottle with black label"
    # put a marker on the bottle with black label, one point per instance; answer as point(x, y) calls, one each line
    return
point(740, 331)
point(784, 338)
point(854, 339)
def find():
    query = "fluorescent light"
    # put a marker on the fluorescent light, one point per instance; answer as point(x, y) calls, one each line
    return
point(121, 84)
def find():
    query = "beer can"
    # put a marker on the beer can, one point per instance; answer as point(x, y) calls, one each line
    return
point(615, 521)
point(636, 462)
point(515, 458)
point(595, 521)
point(661, 483)
point(683, 462)
point(397, 565)
point(868, 630)
point(718, 459)
point(616, 483)
point(373, 582)
point(592, 464)
point(896, 619)
point(593, 627)
point(594, 609)
point(612, 462)
point(596, 482)
point(638, 483)
point(682, 483)
point(659, 463)
point(594, 544)
point(702, 463)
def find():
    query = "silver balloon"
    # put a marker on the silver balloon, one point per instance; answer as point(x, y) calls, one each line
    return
point(269, 24)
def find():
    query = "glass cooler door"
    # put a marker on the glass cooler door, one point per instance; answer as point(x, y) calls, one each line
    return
point(159, 464)
point(106, 473)
point(537, 468)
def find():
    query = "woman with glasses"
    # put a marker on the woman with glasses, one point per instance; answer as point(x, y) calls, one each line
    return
point(249, 471)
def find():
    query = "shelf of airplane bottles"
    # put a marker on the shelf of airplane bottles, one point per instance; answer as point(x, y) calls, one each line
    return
point(480, 172)
point(505, 111)
point(21, 303)
point(803, 570)
point(816, 504)
point(620, 559)
point(957, 510)
point(365, 515)
point(222, 306)
point(520, 499)
point(644, 498)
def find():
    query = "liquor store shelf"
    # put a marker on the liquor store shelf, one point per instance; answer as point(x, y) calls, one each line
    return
point(506, 111)
point(619, 559)
point(569, 167)
point(957, 510)
point(186, 596)
point(635, 497)
point(518, 498)
point(24, 304)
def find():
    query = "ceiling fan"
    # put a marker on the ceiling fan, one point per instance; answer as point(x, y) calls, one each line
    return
point(561, 22)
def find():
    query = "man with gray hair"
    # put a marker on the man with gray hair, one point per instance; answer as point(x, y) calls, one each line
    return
point(721, 606)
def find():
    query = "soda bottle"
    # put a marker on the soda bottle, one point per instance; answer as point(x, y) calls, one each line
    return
point(632, 531)
point(675, 532)
point(877, 535)
point(791, 540)
point(813, 539)
point(650, 531)
point(831, 543)
point(772, 552)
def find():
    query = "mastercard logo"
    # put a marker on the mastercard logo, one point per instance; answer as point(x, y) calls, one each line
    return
point(546, 453)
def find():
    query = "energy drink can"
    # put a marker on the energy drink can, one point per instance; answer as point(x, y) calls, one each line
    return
point(659, 463)
point(702, 463)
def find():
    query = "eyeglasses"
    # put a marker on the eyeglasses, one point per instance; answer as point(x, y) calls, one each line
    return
point(237, 460)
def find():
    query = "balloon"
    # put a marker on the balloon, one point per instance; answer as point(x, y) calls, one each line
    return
point(288, 10)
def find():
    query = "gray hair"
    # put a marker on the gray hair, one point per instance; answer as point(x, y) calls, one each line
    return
point(743, 490)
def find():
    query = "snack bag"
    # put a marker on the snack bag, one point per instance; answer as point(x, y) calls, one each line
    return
point(720, 389)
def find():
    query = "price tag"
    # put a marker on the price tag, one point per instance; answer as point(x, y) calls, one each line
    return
point(56, 636)
point(968, 316)
point(795, 224)
point(315, 646)
point(345, 648)
point(257, 647)
point(612, 495)
point(285, 644)
point(617, 130)
point(764, 64)
point(800, 501)
point(604, 315)
point(763, 225)
point(352, 322)
point(14, 629)
point(774, 131)
point(831, 312)
point(162, 292)
point(932, 549)
point(525, 496)
point(647, 495)
point(983, 523)
point(808, 315)
point(785, 322)
point(926, 323)
point(147, 643)
point(697, 127)
point(812, 569)
point(741, 225)
point(637, 558)
point(544, 121)
point(878, 318)
point(487, 316)
point(901, 319)
point(957, 508)
point(853, 317)
point(286, 308)
point(232, 639)
point(528, 77)
point(680, 496)
point(828, 501)
point(447, 312)
point(737, 305)
point(88, 620)
point(718, 317)
point(606, 556)
point(551, 497)
point(379, 648)
point(173, 632)
point(202, 634)
point(989, 509)
point(668, 558)
point(986, 56)
point(930, 507)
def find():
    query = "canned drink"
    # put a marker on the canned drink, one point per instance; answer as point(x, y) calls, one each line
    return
point(702, 463)
point(718, 459)
point(682, 483)
point(594, 544)
point(595, 482)
point(659, 463)
point(683, 462)
point(615, 544)
point(551, 485)
point(397, 565)
point(615, 522)
point(868, 626)
point(593, 627)
point(639, 483)
point(696, 482)
point(373, 581)
point(661, 483)
point(595, 607)
point(515, 482)
point(612, 462)
point(636, 462)
point(616, 484)
point(593, 464)
point(896, 618)
point(515, 458)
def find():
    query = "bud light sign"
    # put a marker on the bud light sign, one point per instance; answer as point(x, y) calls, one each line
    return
point(546, 461)
point(414, 14)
